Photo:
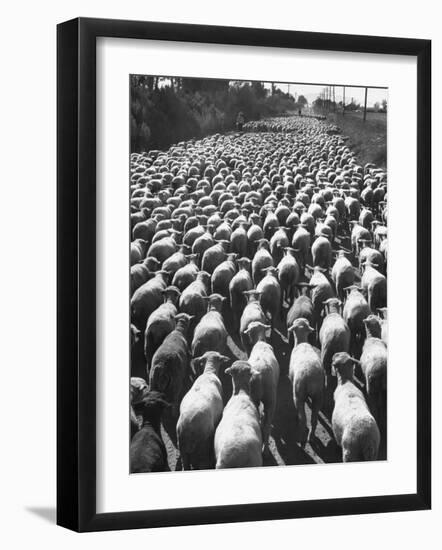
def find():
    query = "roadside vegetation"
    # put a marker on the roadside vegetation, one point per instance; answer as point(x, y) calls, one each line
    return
point(166, 110)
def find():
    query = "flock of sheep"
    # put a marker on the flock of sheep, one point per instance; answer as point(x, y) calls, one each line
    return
point(258, 260)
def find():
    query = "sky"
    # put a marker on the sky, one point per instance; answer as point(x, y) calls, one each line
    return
point(311, 92)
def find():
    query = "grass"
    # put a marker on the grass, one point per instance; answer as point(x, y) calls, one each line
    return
point(368, 139)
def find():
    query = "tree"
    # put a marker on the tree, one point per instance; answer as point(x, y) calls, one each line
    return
point(259, 90)
point(384, 105)
point(302, 100)
point(377, 106)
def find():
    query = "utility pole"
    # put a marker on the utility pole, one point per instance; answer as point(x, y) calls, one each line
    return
point(343, 103)
point(365, 105)
point(334, 100)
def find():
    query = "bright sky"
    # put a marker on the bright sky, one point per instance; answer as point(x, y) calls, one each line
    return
point(311, 92)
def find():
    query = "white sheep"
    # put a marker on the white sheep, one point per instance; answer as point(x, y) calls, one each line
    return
point(354, 427)
point(238, 440)
point(200, 412)
point(264, 383)
point(374, 367)
point(307, 377)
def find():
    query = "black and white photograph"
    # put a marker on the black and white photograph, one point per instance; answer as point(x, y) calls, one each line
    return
point(258, 273)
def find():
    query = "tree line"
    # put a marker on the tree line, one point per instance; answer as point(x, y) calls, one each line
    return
point(165, 110)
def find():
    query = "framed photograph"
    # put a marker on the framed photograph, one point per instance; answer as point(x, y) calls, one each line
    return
point(244, 256)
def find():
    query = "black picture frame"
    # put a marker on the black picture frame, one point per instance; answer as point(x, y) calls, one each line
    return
point(76, 273)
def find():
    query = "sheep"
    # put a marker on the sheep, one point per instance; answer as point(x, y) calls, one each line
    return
point(264, 382)
point(187, 274)
point(145, 230)
point(309, 223)
point(371, 255)
point(322, 290)
point(375, 285)
point(138, 389)
point(192, 298)
point(170, 363)
point(288, 274)
point(151, 263)
point(383, 311)
point(254, 235)
point(302, 307)
point(334, 335)
point(354, 428)
point(202, 243)
point(270, 294)
point(252, 312)
point(239, 283)
point(270, 225)
point(307, 377)
point(214, 255)
point(366, 218)
point(147, 450)
point(163, 249)
point(210, 333)
point(343, 273)
point(355, 310)
point(222, 276)
point(175, 262)
point(301, 242)
point(200, 412)
point(322, 251)
point(192, 234)
point(238, 439)
point(137, 358)
point(358, 234)
point(147, 298)
point(137, 251)
point(374, 367)
point(379, 233)
point(261, 260)
point(160, 323)
point(238, 240)
point(278, 243)
point(139, 274)
point(353, 208)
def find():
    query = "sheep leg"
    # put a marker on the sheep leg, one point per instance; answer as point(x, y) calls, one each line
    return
point(316, 406)
point(269, 411)
point(348, 455)
point(185, 461)
point(302, 422)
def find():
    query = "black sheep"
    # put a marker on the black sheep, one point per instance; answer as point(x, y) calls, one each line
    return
point(147, 449)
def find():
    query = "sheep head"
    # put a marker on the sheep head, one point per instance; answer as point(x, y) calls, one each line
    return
point(373, 326)
point(343, 366)
point(172, 294)
point(257, 331)
point(244, 263)
point(153, 404)
point(301, 327)
point(241, 373)
point(211, 360)
point(138, 389)
point(215, 302)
